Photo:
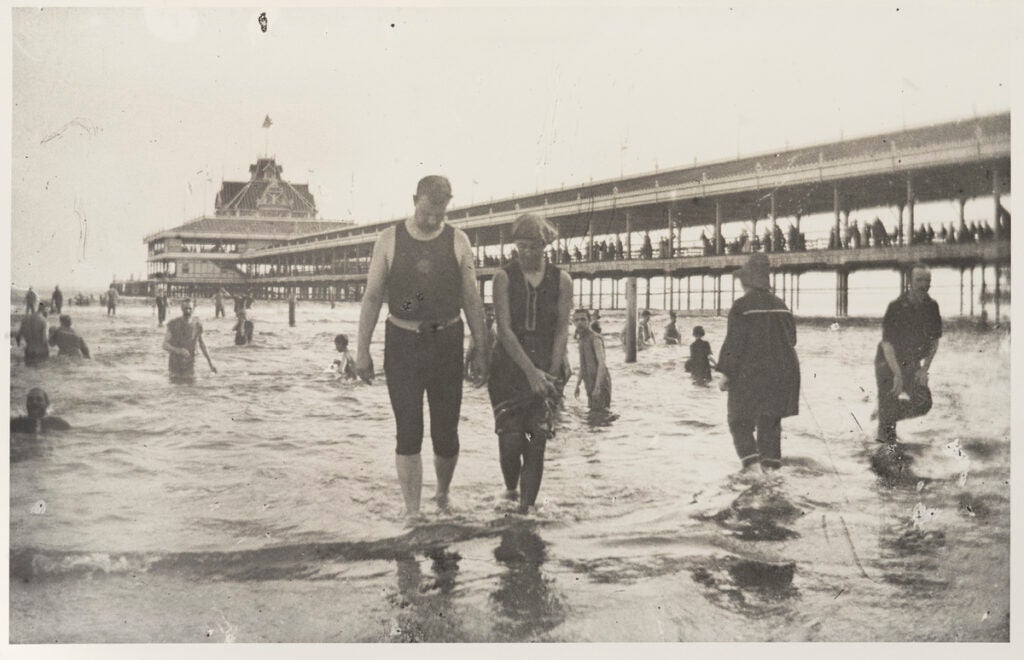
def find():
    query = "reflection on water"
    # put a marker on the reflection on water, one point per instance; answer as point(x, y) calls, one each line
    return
point(425, 612)
point(526, 602)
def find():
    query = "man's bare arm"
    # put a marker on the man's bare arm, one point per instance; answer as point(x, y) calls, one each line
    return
point(471, 302)
point(562, 329)
point(373, 299)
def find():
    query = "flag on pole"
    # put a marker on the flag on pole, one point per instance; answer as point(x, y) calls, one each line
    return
point(267, 122)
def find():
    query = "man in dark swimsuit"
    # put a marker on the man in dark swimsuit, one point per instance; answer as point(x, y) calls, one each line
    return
point(183, 335)
point(910, 337)
point(67, 340)
point(426, 269)
point(33, 331)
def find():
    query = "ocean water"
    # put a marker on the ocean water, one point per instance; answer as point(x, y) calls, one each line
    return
point(260, 504)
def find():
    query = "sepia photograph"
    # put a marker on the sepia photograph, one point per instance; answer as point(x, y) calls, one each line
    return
point(681, 323)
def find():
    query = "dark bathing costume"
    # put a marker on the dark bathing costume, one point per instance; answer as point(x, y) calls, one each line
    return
point(425, 285)
point(184, 334)
point(534, 318)
point(910, 329)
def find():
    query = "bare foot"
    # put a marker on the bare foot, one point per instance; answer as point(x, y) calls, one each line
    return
point(512, 495)
point(442, 501)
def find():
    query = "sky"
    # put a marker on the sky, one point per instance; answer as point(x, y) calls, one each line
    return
point(125, 121)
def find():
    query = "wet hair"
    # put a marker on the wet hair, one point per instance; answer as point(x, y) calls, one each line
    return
point(698, 331)
point(431, 183)
point(65, 320)
point(341, 340)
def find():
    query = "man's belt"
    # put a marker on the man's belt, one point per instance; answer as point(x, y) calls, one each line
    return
point(423, 327)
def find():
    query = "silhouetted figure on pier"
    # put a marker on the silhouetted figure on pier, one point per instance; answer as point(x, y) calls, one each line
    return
point(911, 330)
point(881, 236)
point(709, 249)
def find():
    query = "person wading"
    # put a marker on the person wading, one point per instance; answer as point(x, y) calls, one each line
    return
point(425, 267)
point(760, 368)
point(532, 305)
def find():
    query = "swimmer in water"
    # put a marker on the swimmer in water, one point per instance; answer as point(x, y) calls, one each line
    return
point(67, 340)
point(671, 331)
point(34, 330)
point(644, 334)
point(593, 369)
point(243, 328)
point(37, 421)
point(344, 366)
point(183, 335)
point(700, 362)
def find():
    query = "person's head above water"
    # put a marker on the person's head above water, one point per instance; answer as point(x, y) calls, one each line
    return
point(581, 318)
point(341, 343)
point(65, 321)
point(698, 331)
point(672, 315)
point(646, 314)
point(37, 402)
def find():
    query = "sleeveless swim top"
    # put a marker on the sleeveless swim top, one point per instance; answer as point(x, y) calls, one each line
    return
point(424, 283)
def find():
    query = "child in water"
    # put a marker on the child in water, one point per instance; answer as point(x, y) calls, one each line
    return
point(644, 334)
point(593, 369)
point(343, 366)
point(700, 362)
point(671, 332)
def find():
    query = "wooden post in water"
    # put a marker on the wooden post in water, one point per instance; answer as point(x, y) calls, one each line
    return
point(910, 211)
point(647, 294)
point(961, 290)
point(997, 293)
point(630, 327)
point(972, 292)
point(718, 294)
